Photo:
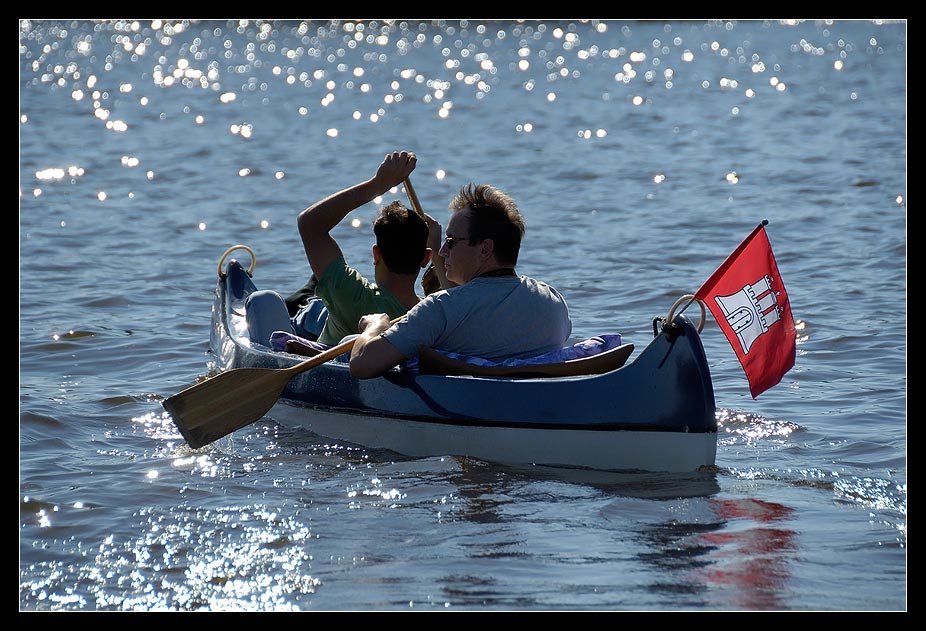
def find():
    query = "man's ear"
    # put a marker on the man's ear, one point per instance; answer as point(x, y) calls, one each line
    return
point(487, 248)
point(377, 254)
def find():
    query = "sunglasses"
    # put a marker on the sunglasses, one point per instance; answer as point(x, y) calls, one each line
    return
point(451, 242)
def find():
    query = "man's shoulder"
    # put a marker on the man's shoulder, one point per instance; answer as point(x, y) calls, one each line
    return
point(537, 285)
point(338, 273)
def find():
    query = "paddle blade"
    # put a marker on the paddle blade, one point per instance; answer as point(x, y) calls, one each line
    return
point(227, 402)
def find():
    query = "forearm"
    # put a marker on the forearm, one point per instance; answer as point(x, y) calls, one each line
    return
point(317, 221)
point(322, 216)
point(372, 355)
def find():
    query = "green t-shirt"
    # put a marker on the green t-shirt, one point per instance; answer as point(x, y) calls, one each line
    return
point(348, 297)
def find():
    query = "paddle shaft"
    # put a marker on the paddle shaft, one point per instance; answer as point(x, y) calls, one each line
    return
point(321, 358)
point(324, 356)
point(429, 280)
point(413, 198)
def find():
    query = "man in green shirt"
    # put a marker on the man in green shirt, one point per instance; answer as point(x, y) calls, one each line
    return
point(399, 253)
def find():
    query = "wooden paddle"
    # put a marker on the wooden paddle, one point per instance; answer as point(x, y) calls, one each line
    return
point(413, 198)
point(230, 400)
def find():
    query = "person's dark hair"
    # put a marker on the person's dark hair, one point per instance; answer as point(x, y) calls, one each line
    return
point(493, 215)
point(402, 237)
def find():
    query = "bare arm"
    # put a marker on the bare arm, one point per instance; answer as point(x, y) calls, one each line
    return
point(371, 355)
point(317, 221)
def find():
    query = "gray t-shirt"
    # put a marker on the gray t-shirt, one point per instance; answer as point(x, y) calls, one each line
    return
point(495, 318)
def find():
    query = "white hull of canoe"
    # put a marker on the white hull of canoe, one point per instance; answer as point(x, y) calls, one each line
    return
point(604, 450)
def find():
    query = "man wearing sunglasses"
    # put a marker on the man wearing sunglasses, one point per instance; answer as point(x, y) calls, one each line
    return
point(491, 312)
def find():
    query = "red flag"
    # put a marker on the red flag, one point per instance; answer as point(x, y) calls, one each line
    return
point(748, 299)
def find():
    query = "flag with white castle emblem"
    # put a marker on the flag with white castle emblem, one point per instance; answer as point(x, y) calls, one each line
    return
point(748, 299)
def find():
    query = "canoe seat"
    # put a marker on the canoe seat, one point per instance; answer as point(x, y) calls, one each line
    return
point(432, 362)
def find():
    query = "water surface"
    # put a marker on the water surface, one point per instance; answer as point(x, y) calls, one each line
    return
point(641, 153)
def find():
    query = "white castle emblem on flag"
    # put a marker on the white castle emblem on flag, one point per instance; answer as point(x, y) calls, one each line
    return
point(751, 311)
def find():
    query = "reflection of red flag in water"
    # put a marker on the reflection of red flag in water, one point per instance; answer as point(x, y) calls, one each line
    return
point(748, 299)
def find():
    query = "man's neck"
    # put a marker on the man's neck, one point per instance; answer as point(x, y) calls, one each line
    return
point(402, 286)
point(498, 271)
point(492, 268)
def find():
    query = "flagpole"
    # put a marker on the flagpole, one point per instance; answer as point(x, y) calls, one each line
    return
point(694, 297)
point(724, 265)
point(710, 282)
point(687, 304)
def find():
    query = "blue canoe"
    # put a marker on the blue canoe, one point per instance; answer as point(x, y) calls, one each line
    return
point(654, 413)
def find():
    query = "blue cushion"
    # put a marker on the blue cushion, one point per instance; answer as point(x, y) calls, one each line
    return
point(585, 348)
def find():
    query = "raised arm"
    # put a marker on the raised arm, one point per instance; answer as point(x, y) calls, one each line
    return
point(317, 221)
